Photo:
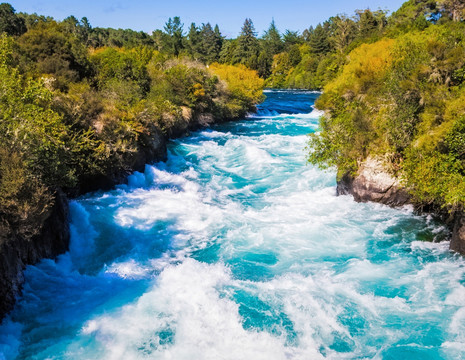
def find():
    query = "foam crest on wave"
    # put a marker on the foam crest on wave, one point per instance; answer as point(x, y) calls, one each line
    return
point(184, 316)
point(235, 249)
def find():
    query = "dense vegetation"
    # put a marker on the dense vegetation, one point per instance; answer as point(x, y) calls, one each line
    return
point(77, 103)
point(401, 97)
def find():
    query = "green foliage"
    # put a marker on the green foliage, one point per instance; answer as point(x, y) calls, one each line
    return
point(247, 48)
point(413, 15)
point(101, 37)
point(319, 40)
point(404, 99)
point(174, 34)
point(10, 22)
point(272, 41)
point(111, 63)
point(204, 44)
point(48, 49)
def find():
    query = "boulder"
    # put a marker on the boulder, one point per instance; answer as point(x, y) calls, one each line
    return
point(374, 183)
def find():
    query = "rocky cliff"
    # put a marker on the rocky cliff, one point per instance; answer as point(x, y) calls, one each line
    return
point(374, 183)
point(52, 239)
point(16, 251)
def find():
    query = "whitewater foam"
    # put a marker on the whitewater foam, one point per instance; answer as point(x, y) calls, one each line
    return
point(235, 248)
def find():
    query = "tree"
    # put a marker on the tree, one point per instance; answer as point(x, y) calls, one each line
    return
point(174, 30)
point(307, 33)
point(48, 49)
point(414, 14)
point(370, 23)
point(291, 38)
point(228, 52)
point(294, 55)
point(280, 69)
point(319, 40)
point(211, 43)
point(264, 63)
point(11, 23)
point(247, 45)
point(219, 39)
point(343, 33)
point(272, 39)
point(454, 8)
point(85, 29)
point(218, 34)
point(193, 41)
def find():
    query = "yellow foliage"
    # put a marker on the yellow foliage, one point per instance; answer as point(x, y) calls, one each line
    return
point(243, 83)
point(455, 108)
point(366, 64)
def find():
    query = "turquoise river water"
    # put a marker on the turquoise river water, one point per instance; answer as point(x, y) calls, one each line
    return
point(235, 248)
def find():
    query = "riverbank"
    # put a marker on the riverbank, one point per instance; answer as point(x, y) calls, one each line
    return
point(373, 183)
point(236, 239)
point(53, 234)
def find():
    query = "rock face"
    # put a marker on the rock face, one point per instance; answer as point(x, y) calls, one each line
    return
point(16, 252)
point(457, 242)
point(53, 238)
point(152, 148)
point(374, 183)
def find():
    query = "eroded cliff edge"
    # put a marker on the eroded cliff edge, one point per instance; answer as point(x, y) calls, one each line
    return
point(52, 239)
point(17, 251)
point(374, 183)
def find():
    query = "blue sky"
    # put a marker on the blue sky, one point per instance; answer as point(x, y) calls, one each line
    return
point(149, 15)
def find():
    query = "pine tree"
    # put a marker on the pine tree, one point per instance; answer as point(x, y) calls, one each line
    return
point(174, 31)
point(210, 44)
point(307, 33)
point(291, 38)
point(194, 42)
point(319, 40)
point(219, 39)
point(247, 45)
point(272, 38)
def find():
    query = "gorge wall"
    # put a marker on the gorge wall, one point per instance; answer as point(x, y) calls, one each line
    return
point(52, 239)
point(17, 251)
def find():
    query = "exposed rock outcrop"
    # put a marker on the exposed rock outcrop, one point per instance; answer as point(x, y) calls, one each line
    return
point(374, 183)
point(151, 148)
point(53, 238)
point(16, 251)
point(457, 242)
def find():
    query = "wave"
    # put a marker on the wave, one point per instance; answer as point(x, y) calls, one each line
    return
point(236, 240)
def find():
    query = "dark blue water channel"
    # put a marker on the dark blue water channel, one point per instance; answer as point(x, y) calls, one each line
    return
point(235, 248)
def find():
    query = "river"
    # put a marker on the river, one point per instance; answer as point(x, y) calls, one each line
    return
point(235, 248)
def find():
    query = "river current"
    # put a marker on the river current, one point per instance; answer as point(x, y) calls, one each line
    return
point(235, 248)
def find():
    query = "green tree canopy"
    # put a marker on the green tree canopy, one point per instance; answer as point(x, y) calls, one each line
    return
point(10, 22)
point(247, 45)
point(174, 31)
